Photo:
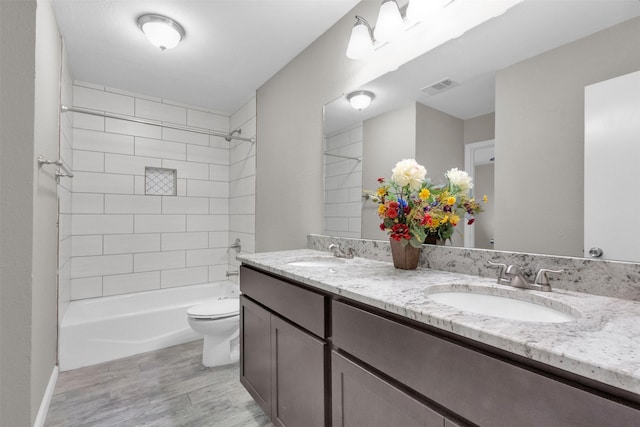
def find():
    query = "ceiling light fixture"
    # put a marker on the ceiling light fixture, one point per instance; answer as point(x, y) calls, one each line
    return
point(161, 31)
point(360, 99)
point(389, 24)
point(361, 41)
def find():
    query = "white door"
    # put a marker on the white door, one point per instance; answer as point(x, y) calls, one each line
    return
point(612, 168)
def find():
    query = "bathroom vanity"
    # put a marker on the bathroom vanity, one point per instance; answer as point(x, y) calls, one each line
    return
point(354, 342)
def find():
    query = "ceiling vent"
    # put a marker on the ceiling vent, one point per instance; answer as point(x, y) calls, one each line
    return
point(440, 86)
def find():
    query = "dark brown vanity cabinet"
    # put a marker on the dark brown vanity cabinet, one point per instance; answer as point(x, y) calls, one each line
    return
point(362, 399)
point(283, 355)
point(481, 388)
point(316, 359)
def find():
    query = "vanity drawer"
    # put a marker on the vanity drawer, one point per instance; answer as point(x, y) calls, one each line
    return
point(482, 389)
point(361, 398)
point(301, 306)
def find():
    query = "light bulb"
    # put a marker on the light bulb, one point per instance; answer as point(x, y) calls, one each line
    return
point(360, 99)
point(161, 31)
point(417, 10)
point(360, 44)
point(389, 24)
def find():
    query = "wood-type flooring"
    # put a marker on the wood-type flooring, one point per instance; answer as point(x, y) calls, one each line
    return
point(167, 387)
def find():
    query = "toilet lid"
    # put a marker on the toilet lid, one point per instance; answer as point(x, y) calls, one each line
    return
point(215, 308)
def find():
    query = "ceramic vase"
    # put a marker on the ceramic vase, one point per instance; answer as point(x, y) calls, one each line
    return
point(434, 240)
point(405, 258)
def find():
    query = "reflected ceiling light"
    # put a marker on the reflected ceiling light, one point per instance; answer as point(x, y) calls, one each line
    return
point(161, 31)
point(360, 99)
point(389, 24)
point(361, 41)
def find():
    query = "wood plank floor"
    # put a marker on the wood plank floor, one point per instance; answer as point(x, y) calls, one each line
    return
point(167, 387)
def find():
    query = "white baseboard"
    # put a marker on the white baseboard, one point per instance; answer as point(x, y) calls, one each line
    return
point(46, 399)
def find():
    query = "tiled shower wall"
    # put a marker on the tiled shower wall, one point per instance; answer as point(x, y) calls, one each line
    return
point(123, 240)
point(343, 184)
point(242, 177)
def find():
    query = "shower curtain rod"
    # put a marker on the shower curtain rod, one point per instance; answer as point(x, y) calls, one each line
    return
point(227, 136)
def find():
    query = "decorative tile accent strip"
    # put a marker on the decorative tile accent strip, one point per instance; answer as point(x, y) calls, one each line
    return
point(607, 278)
point(160, 181)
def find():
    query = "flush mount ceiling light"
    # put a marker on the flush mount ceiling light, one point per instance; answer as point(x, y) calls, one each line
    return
point(161, 31)
point(361, 41)
point(389, 24)
point(360, 99)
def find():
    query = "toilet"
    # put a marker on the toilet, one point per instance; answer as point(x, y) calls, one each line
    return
point(219, 322)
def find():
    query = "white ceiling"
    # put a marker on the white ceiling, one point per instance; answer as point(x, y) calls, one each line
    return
point(230, 49)
point(527, 29)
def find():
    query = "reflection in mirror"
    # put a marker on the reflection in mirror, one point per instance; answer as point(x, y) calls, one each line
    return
point(510, 82)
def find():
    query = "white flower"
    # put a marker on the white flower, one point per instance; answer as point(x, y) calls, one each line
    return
point(408, 172)
point(460, 179)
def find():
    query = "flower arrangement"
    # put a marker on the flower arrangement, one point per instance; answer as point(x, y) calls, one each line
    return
point(412, 208)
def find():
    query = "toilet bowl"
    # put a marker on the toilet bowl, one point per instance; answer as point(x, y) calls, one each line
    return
point(219, 322)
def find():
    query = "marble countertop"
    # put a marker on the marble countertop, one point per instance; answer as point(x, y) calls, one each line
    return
point(603, 344)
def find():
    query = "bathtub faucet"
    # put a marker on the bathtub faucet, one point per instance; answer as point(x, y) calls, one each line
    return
point(237, 246)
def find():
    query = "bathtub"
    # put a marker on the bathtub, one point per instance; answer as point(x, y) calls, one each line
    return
point(102, 329)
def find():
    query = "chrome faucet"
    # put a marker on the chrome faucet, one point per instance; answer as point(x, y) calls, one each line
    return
point(339, 252)
point(542, 280)
point(512, 275)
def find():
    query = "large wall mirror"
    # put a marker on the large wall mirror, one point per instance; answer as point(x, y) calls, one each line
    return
point(512, 91)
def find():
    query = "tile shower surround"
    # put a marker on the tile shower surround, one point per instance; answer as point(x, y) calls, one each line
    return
point(125, 241)
point(343, 183)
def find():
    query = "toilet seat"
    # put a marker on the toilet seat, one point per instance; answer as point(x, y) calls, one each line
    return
point(217, 309)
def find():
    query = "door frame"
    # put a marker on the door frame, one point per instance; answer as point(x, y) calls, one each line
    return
point(471, 151)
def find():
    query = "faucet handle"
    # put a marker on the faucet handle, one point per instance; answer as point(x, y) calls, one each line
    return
point(541, 276)
point(501, 269)
point(512, 270)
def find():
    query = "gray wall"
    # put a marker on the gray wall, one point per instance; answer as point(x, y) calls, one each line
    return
point(439, 142)
point(481, 128)
point(289, 191)
point(29, 93)
point(540, 136)
point(17, 91)
point(388, 138)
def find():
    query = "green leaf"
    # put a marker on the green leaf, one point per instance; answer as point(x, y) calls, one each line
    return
point(416, 243)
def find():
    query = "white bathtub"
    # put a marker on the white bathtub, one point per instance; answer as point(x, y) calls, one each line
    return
point(102, 329)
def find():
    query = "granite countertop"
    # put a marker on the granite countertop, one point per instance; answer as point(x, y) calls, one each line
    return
point(603, 344)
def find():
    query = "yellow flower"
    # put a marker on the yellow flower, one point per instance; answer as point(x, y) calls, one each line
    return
point(424, 194)
point(382, 209)
point(485, 198)
point(445, 219)
point(451, 200)
point(381, 192)
point(454, 219)
point(435, 222)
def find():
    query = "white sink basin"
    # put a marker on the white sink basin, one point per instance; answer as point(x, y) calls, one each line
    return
point(516, 305)
point(316, 261)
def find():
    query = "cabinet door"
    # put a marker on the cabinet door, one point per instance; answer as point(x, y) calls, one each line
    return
point(298, 389)
point(360, 398)
point(255, 352)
